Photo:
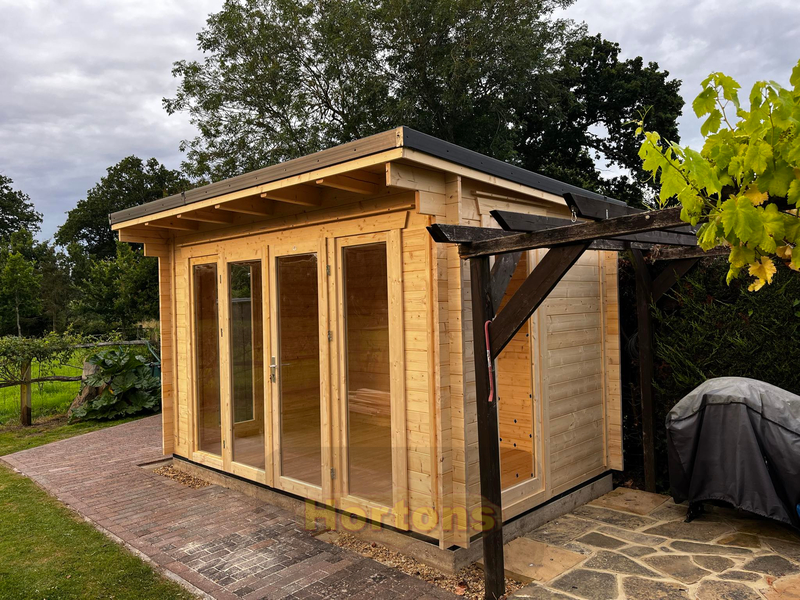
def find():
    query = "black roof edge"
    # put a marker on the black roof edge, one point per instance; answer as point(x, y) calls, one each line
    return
point(412, 139)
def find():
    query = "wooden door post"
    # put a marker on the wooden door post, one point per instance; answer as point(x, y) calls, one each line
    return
point(25, 395)
point(488, 434)
point(644, 296)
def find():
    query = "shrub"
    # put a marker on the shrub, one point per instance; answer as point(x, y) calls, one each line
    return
point(127, 384)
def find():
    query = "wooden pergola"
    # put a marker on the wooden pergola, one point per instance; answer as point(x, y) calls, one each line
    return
point(596, 225)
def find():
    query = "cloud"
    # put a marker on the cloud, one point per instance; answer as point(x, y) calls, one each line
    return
point(82, 83)
point(748, 40)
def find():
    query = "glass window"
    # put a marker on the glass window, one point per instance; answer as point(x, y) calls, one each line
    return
point(368, 391)
point(298, 368)
point(247, 363)
point(207, 357)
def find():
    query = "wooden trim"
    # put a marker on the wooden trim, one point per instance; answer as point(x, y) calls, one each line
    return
point(173, 223)
point(247, 206)
point(207, 216)
point(670, 275)
point(350, 183)
point(300, 194)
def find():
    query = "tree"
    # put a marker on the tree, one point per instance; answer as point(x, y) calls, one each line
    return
point(116, 293)
point(20, 285)
point(16, 210)
point(744, 185)
point(129, 183)
point(501, 77)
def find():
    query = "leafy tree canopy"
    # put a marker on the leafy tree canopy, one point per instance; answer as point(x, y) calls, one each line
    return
point(283, 78)
point(129, 183)
point(16, 210)
point(20, 284)
point(744, 185)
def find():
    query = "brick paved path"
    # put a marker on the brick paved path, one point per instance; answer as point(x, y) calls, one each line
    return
point(226, 544)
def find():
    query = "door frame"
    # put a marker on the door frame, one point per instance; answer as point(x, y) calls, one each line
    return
point(201, 456)
point(317, 246)
point(237, 255)
point(397, 513)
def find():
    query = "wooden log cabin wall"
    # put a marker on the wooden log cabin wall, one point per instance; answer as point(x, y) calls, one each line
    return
point(316, 340)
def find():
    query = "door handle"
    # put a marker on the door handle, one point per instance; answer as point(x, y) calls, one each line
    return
point(272, 369)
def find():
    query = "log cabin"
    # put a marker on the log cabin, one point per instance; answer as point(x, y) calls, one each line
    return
point(317, 343)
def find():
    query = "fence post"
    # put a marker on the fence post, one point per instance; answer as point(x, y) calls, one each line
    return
point(25, 395)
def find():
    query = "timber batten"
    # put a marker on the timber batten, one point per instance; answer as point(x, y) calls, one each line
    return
point(345, 350)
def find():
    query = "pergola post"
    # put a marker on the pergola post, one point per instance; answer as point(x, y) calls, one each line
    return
point(488, 433)
point(644, 297)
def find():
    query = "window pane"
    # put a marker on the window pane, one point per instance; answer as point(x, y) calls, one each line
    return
point(207, 355)
point(298, 374)
point(514, 392)
point(247, 363)
point(368, 398)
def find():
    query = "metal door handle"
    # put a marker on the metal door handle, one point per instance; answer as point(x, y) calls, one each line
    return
point(272, 368)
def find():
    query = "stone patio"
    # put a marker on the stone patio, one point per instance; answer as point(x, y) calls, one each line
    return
point(634, 545)
point(223, 544)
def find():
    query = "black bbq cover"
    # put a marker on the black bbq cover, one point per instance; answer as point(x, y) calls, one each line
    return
point(737, 440)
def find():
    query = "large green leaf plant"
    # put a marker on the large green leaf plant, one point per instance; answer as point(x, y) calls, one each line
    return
point(743, 187)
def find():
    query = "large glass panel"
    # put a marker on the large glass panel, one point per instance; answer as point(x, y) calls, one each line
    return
point(298, 368)
point(514, 392)
point(368, 399)
point(207, 355)
point(247, 363)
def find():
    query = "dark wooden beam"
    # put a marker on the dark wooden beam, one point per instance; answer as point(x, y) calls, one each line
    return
point(669, 253)
point(670, 275)
point(488, 433)
point(502, 271)
point(578, 232)
point(464, 234)
point(511, 221)
point(645, 337)
point(532, 293)
point(591, 208)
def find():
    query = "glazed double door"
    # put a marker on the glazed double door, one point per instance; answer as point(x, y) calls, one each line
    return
point(293, 367)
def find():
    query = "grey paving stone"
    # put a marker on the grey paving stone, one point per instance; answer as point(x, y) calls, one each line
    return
point(771, 564)
point(611, 561)
point(678, 567)
point(536, 592)
point(696, 548)
point(670, 512)
point(613, 517)
point(788, 549)
point(591, 585)
point(713, 563)
point(647, 589)
point(695, 531)
point(638, 551)
point(561, 531)
point(743, 540)
point(725, 590)
point(598, 540)
point(740, 576)
point(632, 536)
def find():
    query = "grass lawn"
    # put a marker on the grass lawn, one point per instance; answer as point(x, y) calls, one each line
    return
point(47, 553)
point(50, 398)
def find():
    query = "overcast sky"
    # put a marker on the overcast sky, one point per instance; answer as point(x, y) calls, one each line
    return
point(81, 81)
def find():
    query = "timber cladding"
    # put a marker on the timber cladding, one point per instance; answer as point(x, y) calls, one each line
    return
point(364, 352)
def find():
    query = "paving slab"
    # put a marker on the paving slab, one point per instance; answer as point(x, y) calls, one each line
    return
point(534, 591)
point(713, 563)
point(638, 551)
point(591, 585)
point(771, 564)
point(599, 540)
point(697, 548)
point(726, 590)
point(613, 517)
point(743, 540)
point(632, 536)
point(637, 588)
point(527, 560)
point(611, 561)
point(562, 530)
point(785, 588)
point(696, 531)
point(740, 576)
point(678, 567)
point(632, 501)
point(788, 549)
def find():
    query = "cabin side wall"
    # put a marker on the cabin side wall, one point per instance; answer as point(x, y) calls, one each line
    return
point(576, 366)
